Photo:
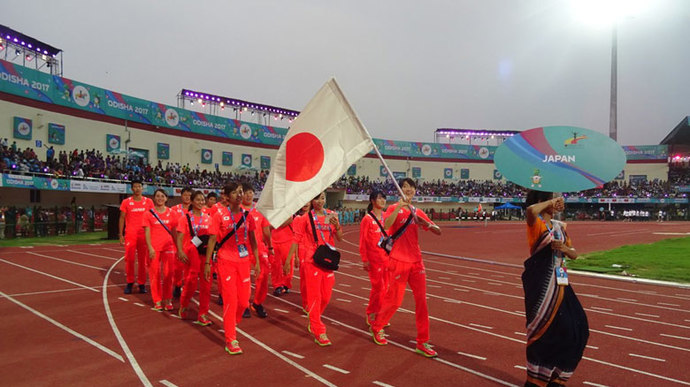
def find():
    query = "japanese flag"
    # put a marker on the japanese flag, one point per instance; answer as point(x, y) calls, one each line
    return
point(323, 141)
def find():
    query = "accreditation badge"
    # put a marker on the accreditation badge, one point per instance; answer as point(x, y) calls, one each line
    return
point(242, 249)
point(561, 276)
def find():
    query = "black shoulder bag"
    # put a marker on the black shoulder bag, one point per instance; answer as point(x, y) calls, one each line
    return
point(153, 212)
point(386, 242)
point(232, 232)
point(325, 256)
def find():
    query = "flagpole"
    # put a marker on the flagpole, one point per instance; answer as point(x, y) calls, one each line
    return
point(388, 170)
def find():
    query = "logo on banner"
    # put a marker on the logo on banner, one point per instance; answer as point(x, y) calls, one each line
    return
point(81, 96)
point(163, 151)
point(483, 152)
point(426, 149)
point(112, 142)
point(247, 160)
point(245, 131)
point(497, 174)
point(54, 183)
point(448, 173)
point(171, 117)
point(24, 129)
point(265, 162)
point(574, 141)
point(382, 171)
point(206, 156)
point(56, 134)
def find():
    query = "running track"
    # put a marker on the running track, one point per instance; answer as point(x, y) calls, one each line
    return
point(65, 321)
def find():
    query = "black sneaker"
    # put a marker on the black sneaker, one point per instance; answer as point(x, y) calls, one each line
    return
point(278, 291)
point(246, 314)
point(259, 309)
point(286, 290)
point(142, 289)
point(128, 288)
point(215, 276)
point(177, 291)
point(220, 299)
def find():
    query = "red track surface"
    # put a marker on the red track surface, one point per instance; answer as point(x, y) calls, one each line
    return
point(640, 333)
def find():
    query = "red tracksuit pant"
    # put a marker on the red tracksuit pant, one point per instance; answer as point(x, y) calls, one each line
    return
point(135, 249)
point(303, 284)
point(195, 273)
point(160, 275)
point(261, 281)
point(235, 283)
point(319, 288)
point(400, 274)
point(280, 254)
point(378, 275)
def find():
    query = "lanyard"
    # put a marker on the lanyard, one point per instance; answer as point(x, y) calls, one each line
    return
point(556, 234)
point(316, 222)
point(198, 225)
point(234, 225)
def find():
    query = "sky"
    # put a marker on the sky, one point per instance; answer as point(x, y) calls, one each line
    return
point(407, 67)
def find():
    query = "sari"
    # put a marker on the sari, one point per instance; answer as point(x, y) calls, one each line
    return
point(557, 328)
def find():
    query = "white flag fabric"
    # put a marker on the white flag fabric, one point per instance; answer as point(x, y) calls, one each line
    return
point(323, 141)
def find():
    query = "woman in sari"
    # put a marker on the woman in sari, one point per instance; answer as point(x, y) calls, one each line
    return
point(557, 329)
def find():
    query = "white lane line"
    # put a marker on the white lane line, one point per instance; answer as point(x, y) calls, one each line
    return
point(382, 384)
point(444, 278)
point(480, 326)
point(472, 356)
point(646, 357)
point(66, 329)
point(666, 304)
point(466, 280)
point(365, 288)
point(462, 290)
point(600, 308)
point(640, 340)
point(647, 315)
point(674, 337)
point(66, 261)
point(55, 291)
point(473, 274)
point(167, 383)
point(50, 275)
point(621, 328)
point(594, 384)
point(92, 255)
point(520, 367)
point(432, 286)
point(122, 299)
point(520, 333)
point(221, 330)
point(452, 301)
point(627, 299)
point(637, 371)
point(494, 283)
point(343, 300)
point(281, 310)
point(334, 368)
point(174, 315)
point(276, 353)
point(345, 285)
point(686, 320)
point(135, 365)
point(139, 304)
point(592, 347)
point(293, 354)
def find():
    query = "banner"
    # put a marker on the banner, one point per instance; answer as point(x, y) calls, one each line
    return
point(497, 174)
point(416, 172)
point(227, 158)
point(646, 152)
point(265, 162)
point(97, 186)
point(352, 171)
point(382, 171)
point(246, 160)
point(34, 182)
point(22, 128)
point(112, 143)
point(447, 173)
point(163, 151)
point(206, 156)
point(56, 134)
point(465, 173)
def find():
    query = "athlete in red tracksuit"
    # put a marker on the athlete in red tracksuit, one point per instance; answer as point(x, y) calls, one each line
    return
point(188, 253)
point(132, 212)
point(181, 209)
point(160, 241)
point(261, 234)
point(233, 262)
point(301, 245)
point(281, 241)
point(374, 258)
point(406, 267)
point(319, 281)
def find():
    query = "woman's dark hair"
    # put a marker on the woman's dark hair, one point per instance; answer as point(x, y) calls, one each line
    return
point(534, 197)
point(311, 207)
point(211, 195)
point(373, 196)
point(136, 181)
point(161, 190)
point(194, 195)
point(247, 187)
point(408, 181)
point(230, 187)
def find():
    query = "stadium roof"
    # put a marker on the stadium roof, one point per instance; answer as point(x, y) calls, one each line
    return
point(680, 135)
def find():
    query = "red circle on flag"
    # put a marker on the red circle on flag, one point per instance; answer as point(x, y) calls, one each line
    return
point(304, 157)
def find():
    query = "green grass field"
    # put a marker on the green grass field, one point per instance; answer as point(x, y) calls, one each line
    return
point(667, 260)
point(72, 239)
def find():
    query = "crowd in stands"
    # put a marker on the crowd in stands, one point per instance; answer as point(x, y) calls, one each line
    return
point(94, 164)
